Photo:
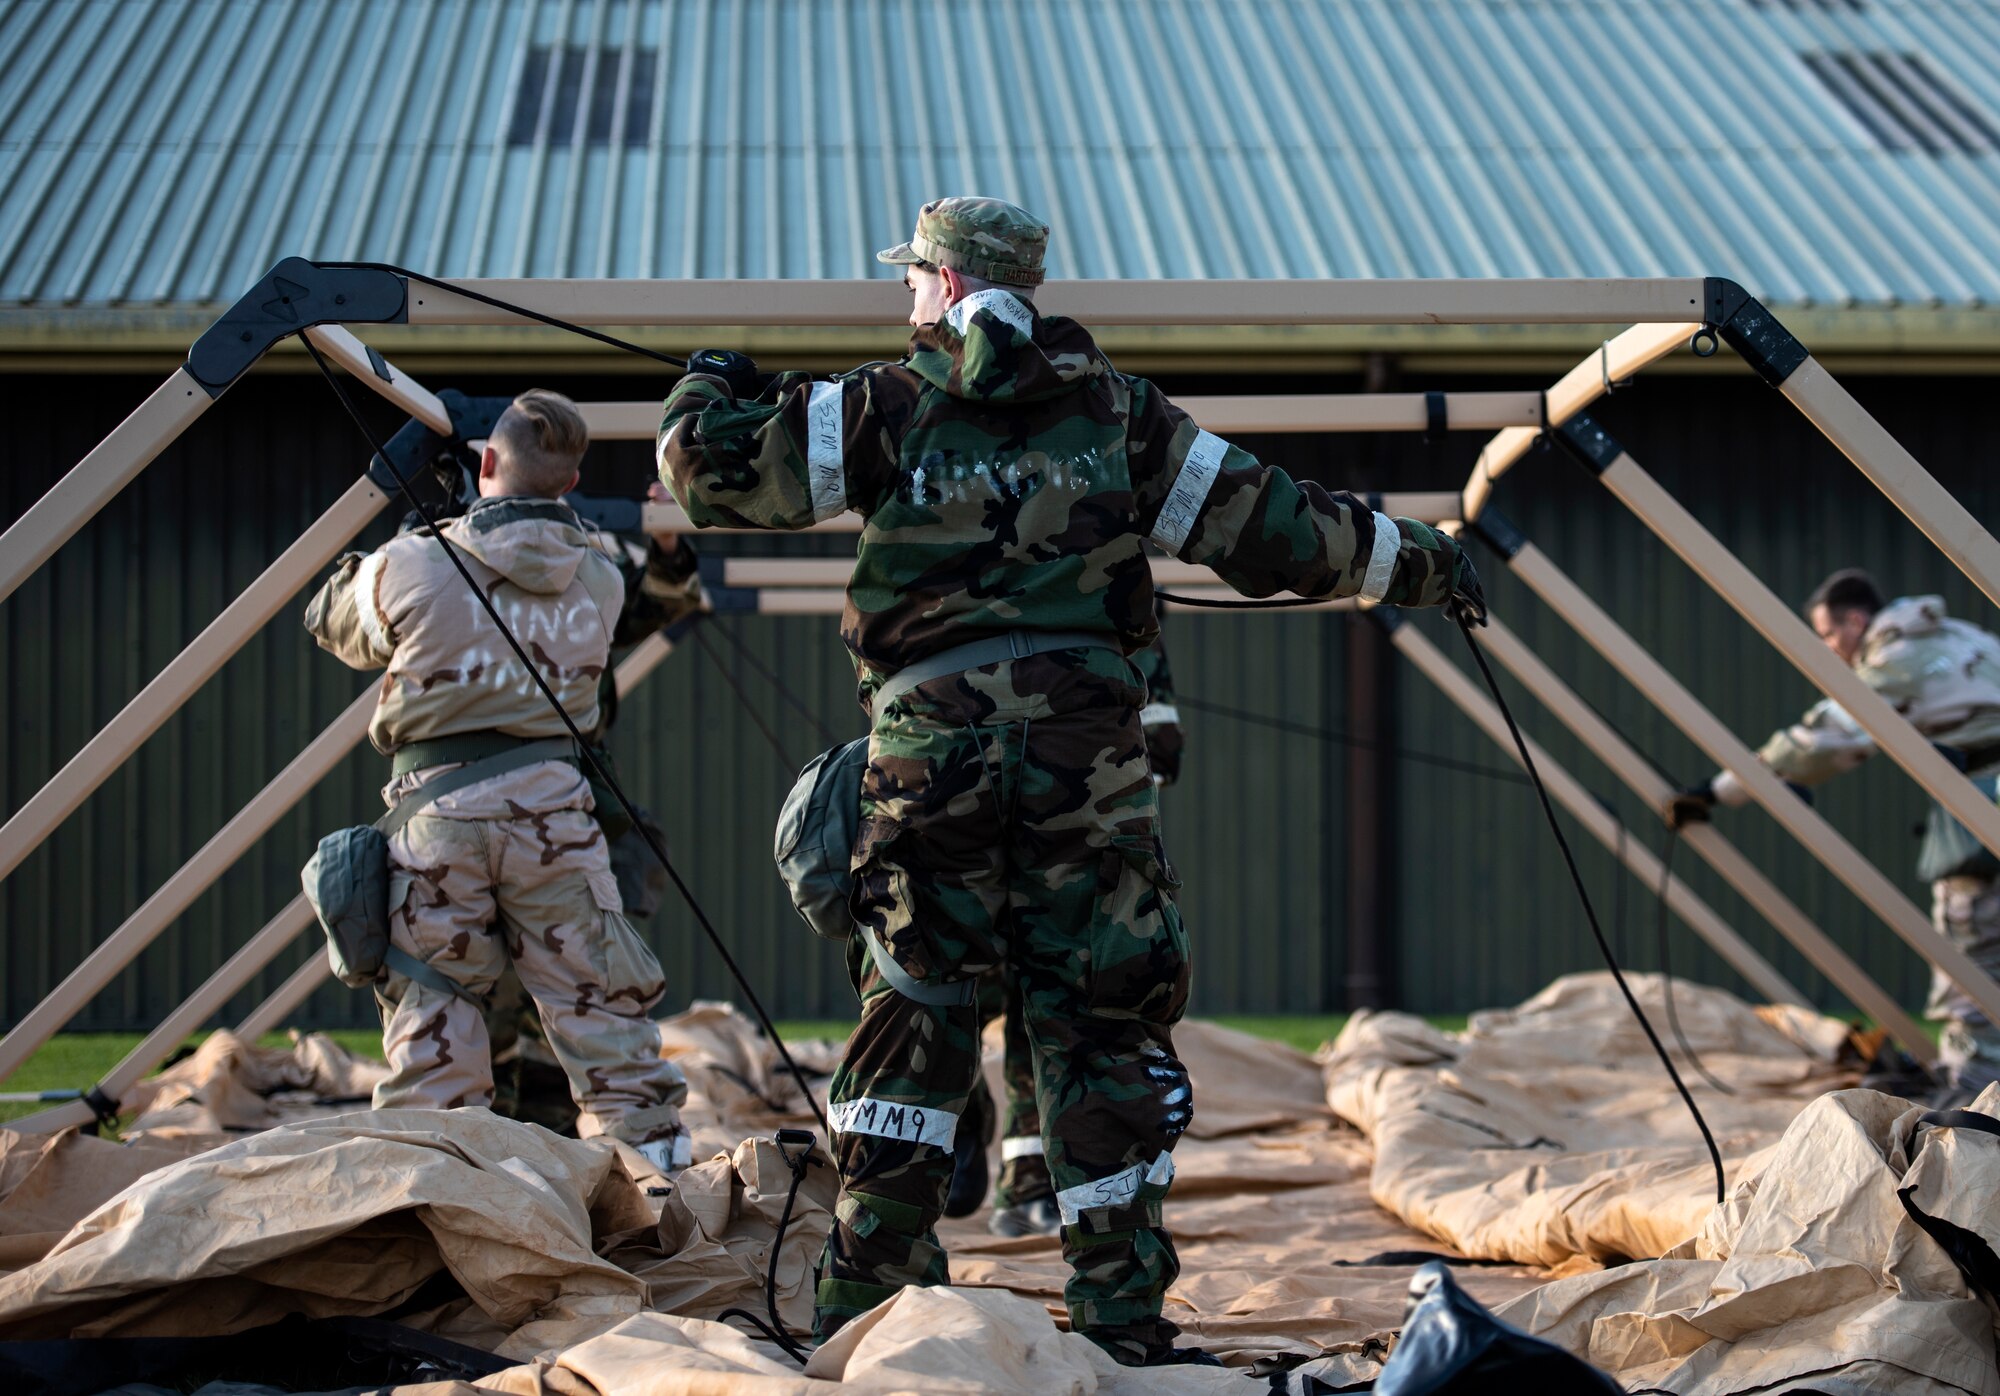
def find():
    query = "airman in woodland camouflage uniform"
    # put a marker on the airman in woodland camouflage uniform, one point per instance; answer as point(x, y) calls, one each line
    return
point(511, 869)
point(1009, 478)
point(662, 588)
point(1944, 676)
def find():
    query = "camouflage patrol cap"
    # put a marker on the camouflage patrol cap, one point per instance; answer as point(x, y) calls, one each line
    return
point(987, 238)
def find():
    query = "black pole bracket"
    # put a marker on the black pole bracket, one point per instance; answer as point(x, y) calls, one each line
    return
point(722, 598)
point(1589, 444)
point(415, 448)
point(1498, 532)
point(293, 295)
point(1752, 331)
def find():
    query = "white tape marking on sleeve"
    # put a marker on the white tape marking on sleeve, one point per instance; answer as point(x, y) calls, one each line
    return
point(367, 581)
point(1190, 491)
point(825, 462)
point(889, 1120)
point(1020, 1146)
point(1121, 1187)
point(1159, 715)
point(1004, 306)
point(1382, 561)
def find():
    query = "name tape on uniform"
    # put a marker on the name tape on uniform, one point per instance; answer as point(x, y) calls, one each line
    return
point(826, 463)
point(1117, 1190)
point(888, 1119)
point(1382, 558)
point(1004, 306)
point(1190, 491)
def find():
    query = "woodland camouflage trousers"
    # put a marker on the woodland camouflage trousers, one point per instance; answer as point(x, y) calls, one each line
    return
point(1009, 819)
point(1024, 1172)
point(470, 896)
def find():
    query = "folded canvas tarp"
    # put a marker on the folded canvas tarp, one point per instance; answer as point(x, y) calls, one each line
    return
point(1549, 1134)
point(359, 1214)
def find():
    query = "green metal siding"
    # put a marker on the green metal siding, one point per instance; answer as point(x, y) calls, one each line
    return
point(1479, 911)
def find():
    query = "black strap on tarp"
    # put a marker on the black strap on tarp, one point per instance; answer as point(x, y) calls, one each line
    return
point(1968, 1249)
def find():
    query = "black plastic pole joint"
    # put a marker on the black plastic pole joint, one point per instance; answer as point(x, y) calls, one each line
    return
point(1499, 533)
point(1752, 331)
point(1589, 444)
point(294, 295)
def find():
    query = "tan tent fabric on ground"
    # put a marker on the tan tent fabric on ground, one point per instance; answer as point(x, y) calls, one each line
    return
point(1272, 1192)
point(1812, 1276)
point(1549, 1133)
point(598, 1289)
point(229, 1084)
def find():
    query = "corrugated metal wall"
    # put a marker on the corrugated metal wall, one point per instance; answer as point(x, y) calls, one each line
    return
point(1478, 910)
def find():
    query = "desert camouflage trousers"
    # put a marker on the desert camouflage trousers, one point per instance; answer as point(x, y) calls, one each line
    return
point(471, 896)
point(1009, 819)
point(1966, 910)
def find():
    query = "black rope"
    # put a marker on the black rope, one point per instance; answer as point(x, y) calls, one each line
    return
point(597, 768)
point(1590, 912)
point(775, 1330)
point(1344, 738)
point(521, 310)
point(785, 692)
point(1272, 604)
point(1666, 970)
point(749, 708)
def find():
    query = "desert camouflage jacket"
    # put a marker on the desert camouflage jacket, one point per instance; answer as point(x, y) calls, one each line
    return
point(1009, 477)
point(1942, 674)
point(404, 607)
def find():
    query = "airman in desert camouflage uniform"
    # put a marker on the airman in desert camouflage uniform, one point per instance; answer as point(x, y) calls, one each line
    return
point(1009, 478)
point(662, 588)
point(512, 869)
point(1944, 676)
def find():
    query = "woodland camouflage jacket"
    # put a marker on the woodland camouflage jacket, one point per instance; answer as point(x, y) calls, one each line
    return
point(1009, 476)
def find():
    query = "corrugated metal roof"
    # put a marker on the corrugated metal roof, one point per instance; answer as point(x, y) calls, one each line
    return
point(1820, 151)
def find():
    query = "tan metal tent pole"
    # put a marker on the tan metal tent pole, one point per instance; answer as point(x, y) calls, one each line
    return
point(88, 487)
point(1777, 623)
point(338, 343)
point(159, 700)
point(1705, 839)
point(279, 932)
point(881, 301)
point(229, 631)
point(1563, 788)
point(215, 857)
point(1722, 746)
point(1617, 360)
point(1895, 472)
point(287, 998)
point(1225, 415)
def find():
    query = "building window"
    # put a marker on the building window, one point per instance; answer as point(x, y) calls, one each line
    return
point(1902, 102)
point(551, 106)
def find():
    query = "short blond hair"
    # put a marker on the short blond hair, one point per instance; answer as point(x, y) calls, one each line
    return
point(541, 439)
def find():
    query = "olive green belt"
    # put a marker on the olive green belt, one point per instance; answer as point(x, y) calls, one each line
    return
point(464, 747)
